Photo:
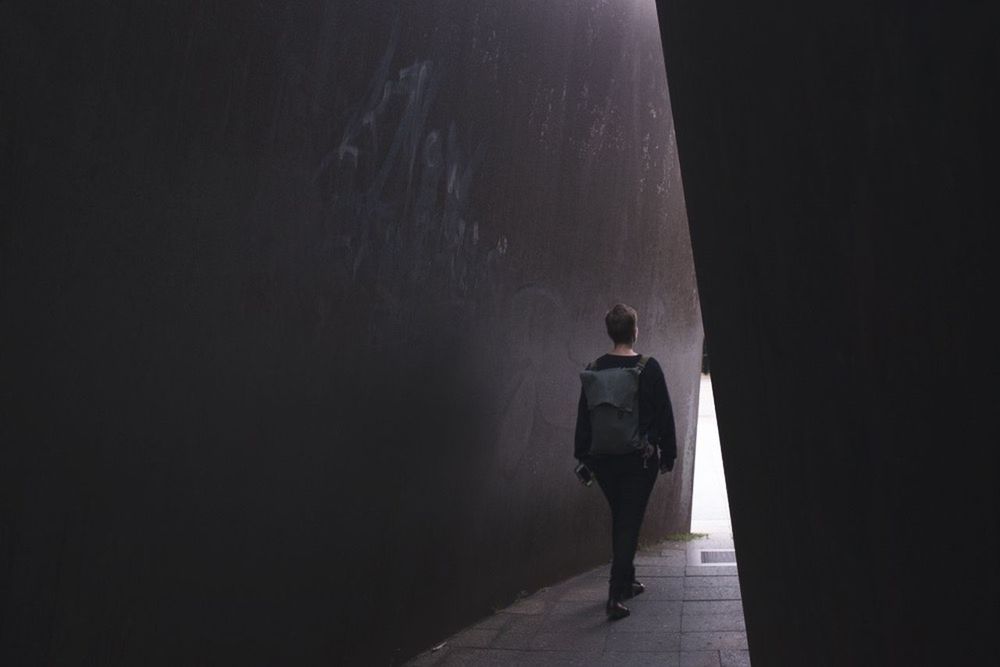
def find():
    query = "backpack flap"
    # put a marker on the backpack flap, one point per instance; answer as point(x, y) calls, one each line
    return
point(613, 386)
point(612, 398)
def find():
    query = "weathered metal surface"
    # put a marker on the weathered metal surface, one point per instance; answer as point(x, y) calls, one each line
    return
point(295, 295)
point(835, 171)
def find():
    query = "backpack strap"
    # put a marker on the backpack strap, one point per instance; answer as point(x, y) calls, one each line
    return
point(642, 363)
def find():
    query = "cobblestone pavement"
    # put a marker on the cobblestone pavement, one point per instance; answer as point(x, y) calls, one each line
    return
point(690, 616)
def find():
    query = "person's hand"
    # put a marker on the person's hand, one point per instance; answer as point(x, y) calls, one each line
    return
point(666, 465)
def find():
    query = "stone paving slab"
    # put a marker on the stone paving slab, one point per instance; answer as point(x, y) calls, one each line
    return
point(712, 622)
point(694, 582)
point(631, 641)
point(712, 593)
point(644, 572)
point(690, 616)
point(709, 570)
point(714, 641)
point(734, 658)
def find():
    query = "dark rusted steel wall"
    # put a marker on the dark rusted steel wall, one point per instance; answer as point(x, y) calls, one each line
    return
point(838, 184)
point(294, 299)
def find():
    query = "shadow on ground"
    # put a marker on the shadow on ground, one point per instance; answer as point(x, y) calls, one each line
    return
point(690, 615)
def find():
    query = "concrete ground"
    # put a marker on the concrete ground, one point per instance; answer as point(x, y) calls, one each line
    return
point(690, 615)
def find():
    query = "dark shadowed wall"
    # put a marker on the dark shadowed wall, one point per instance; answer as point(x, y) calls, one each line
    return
point(294, 299)
point(836, 169)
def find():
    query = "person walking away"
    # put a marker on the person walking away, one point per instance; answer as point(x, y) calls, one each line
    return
point(624, 435)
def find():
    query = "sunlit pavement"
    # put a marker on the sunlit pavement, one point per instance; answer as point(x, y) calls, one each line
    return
point(709, 507)
point(690, 615)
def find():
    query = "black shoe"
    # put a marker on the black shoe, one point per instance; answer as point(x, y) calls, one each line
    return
point(616, 610)
point(635, 589)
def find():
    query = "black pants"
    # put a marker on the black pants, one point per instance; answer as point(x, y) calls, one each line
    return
point(626, 482)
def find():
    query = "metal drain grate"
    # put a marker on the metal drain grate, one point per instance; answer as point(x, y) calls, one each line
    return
point(718, 557)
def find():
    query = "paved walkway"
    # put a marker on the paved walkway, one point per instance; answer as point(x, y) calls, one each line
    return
point(690, 615)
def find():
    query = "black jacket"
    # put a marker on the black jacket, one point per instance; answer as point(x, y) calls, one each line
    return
point(656, 417)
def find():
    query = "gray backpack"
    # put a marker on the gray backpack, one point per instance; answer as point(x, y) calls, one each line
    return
point(613, 400)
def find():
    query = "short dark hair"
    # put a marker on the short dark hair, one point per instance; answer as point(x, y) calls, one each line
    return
point(621, 321)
